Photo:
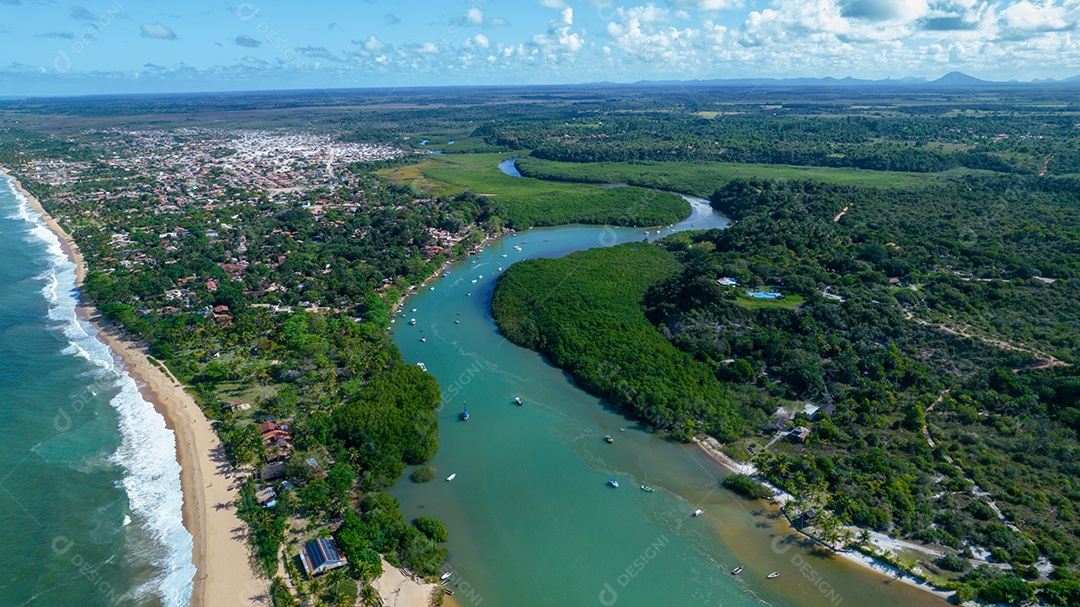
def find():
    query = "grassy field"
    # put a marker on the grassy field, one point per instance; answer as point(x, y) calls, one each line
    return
point(703, 178)
point(528, 202)
point(789, 302)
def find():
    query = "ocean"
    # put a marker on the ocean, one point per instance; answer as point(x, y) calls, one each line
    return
point(90, 501)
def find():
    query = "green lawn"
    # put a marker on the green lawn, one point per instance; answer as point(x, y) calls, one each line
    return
point(703, 178)
point(789, 302)
point(529, 202)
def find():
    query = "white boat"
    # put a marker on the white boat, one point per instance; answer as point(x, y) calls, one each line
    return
point(517, 248)
point(412, 321)
point(504, 254)
point(445, 576)
point(422, 366)
point(451, 477)
point(774, 575)
point(423, 340)
point(613, 482)
point(699, 512)
point(414, 310)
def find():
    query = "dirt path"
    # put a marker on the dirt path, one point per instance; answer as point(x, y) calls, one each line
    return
point(1046, 166)
point(1045, 360)
point(841, 214)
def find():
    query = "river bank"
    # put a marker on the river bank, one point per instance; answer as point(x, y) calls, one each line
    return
point(223, 577)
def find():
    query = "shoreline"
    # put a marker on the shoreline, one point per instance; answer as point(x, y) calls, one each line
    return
point(205, 477)
point(851, 555)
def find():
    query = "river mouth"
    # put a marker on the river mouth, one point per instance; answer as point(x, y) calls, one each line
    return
point(532, 518)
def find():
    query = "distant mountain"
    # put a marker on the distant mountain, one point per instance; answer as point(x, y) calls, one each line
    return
point(959, 79)
point(951, 80)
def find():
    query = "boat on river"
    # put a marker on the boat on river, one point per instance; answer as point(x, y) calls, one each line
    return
point(647, 489)
point(737, 570)
point(774, 575)
point(613, 482)
point(465, 415)
point(445, 576)
point(517, 399)
point(422, 366)
point(412, 321)
point(607, 437)
point(699, 512)
point(451, 477)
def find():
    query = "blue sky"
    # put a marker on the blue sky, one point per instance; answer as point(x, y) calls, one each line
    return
point(52, 47)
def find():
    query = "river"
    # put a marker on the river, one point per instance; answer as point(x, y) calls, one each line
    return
point(531, 517)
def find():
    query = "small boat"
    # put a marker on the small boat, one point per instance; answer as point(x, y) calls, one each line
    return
point(423, 339)
point(422, 366)
point(445, 576)
point(608, 438)
point(517, 248)
point(448, 591)
point(412, 321)
point(647, 489)
point(774, 575)
point(737, 570)
point(613, 482)
point(457, 322)
point(414, 310)
point(432, 289)
point(504, 255)
point(517, 399)
point(480, 276)
point(699, 512)
point(451, 477)
point(465, 415)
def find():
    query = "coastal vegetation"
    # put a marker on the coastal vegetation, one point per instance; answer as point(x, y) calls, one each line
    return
point(926, 253)
point(907, 326)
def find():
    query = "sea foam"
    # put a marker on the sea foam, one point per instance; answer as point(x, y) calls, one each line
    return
point(147, 450)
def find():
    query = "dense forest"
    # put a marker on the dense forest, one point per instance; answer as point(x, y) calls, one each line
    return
point(897, 315)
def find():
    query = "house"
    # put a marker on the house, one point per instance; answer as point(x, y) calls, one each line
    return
point(826, 410)
point(320, 556)
point(276, 438)
point(273, 471)
point(727, 281)
point(799, 434)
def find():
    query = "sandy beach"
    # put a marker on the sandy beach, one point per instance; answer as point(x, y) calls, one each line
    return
point(220, 555)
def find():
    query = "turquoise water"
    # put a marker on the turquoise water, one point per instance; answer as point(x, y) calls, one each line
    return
point(532, 520)
point(89, 484)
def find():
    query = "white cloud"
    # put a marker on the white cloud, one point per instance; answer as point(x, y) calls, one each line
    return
point(706, 5)
point(374, 45)
point(157, 30)
point(474, 15)
point(1037, 18)
point(481, 41)
point(556, 4)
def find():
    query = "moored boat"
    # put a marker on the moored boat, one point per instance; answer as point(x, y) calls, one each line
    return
point(422, 366)
point(699, 512)
point(465, 415)
point(608, 438)
point(613, 482)
point(774, 574)
point(445, 576)
point(647, 489)
point(737, 570)
point(517, 399)
point(451, 477)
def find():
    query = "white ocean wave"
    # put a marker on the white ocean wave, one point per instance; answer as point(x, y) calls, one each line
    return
point(147, 450)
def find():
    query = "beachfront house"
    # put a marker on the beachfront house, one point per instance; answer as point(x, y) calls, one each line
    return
point(320, 556)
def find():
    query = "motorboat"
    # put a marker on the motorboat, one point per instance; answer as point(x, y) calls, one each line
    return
point(422, 366)
point(465, 415)
point(451, 477)
point(699, 512)
point(647, 489)
point(774, 575)
point(445, 576)
point(737, 570)
point(423, 339)
point(607, 437)
point(517, 399)
point(412, 321)
point(613, 482)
